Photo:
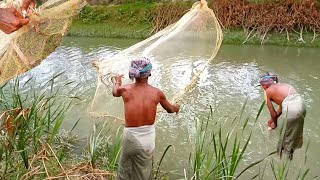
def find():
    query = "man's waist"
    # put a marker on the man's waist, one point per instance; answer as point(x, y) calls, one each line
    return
point(291, 98)
point(139, 123)
point(140, 129)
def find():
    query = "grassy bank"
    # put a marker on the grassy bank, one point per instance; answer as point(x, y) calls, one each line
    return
point(135, 21)
point(33, 145)
point(119, 21)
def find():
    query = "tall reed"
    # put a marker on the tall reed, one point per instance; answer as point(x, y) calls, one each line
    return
point(214, 157)
point(105, 146)
point(30, 121)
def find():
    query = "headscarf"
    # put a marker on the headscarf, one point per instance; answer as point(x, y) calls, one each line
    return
point(140, 68)
point(268, 79)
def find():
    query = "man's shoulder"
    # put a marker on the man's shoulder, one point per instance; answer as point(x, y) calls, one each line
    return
point(156, 89)
point(280, 87)
point(125, 87)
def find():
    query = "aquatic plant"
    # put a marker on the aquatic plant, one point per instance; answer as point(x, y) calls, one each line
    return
point(30, 120)
point(94, 142)
point(30, 124)
point(213, 156)
point(102, 144)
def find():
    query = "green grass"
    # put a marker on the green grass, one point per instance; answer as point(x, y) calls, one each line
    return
point(39, 148)
point(120, 21)
point(218, 152)
point(110, 29)
point(38, 124)
point(128, 13)
point(239, 36)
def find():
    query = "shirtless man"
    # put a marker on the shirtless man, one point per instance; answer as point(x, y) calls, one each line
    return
point(140, 104)
point(291, 105)
point(12, 17)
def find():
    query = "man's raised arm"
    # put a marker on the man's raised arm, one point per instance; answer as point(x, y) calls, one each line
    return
point(117, 89)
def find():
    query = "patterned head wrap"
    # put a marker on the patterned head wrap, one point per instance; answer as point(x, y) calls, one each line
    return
point(268, 79)
point(140, 68)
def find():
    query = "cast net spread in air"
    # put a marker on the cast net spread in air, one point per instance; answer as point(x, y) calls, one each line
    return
point(26, 48)
point(179, 54)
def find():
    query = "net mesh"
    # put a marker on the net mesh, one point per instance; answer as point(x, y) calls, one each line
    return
point(179, 54)
point(26, 48)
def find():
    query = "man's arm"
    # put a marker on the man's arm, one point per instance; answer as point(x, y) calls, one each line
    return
point(279, 112)
point(273, 113)
point(117, 90)
point(170, 108)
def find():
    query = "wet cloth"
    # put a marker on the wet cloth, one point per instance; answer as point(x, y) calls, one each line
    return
point(140, 68)
point(137, 152)
point(294, 111)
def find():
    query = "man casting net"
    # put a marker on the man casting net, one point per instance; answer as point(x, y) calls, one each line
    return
point(178, 53)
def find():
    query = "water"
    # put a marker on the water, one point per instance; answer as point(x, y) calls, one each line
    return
point(225, 85)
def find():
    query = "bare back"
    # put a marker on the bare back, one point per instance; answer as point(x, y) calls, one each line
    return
point(140, 104)
point(278, 92)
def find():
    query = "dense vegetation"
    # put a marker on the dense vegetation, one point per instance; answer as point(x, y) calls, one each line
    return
point(285, 16)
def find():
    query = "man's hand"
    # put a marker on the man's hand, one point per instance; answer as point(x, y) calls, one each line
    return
point(11, 20)
point(272, 124)
point(118, 79)
point(170, 108)
point(176, 107)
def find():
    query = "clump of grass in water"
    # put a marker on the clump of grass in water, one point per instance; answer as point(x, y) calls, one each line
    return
point(213, 156)
point(210, 159)
point(94, 142)
point(104, 148)
point(281, 171)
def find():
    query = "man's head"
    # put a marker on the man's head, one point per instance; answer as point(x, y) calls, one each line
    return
point(140, 68)
point(267, 80)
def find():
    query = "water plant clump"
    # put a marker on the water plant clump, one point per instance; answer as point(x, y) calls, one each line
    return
point(32, 143)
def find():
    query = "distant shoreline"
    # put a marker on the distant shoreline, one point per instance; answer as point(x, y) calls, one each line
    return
point(132, 21)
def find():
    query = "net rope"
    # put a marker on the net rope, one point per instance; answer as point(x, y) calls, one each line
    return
point(179, 53)
point(22, 50)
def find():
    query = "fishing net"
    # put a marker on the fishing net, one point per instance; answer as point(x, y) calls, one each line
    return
point(179, 54)
point(26, 48)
